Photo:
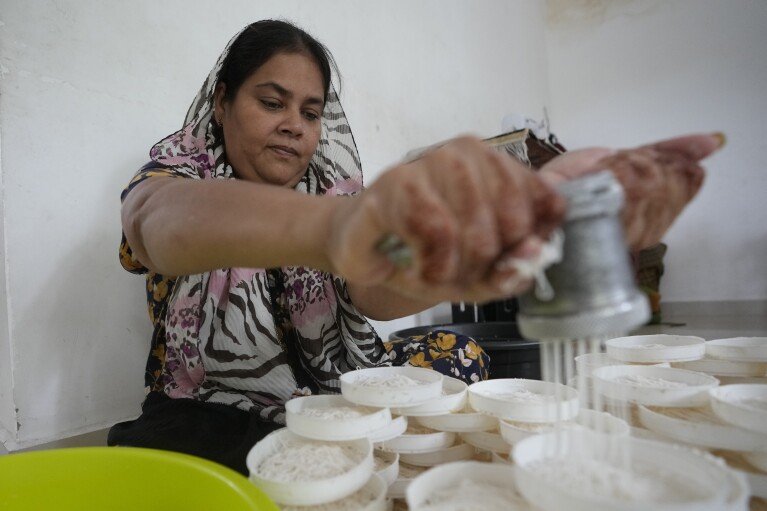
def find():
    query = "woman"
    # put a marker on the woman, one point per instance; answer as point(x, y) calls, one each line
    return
point(261, 249)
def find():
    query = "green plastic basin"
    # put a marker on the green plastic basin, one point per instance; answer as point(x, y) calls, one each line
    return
point(122, 478)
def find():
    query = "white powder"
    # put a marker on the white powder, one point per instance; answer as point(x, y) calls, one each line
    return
point(415, 429)
point(536, 427)
point(396, 381)
point(341, 412)
point(471, 495)
point(354, 502)
point(598, 478)
point(650, 382)
point(298, 460)
point(521, 394)
point(409, 471)
point(380, 462)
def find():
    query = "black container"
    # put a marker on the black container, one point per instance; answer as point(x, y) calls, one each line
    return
point(510, 355)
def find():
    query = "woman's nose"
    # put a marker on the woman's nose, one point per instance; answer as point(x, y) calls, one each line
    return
point(292, 124)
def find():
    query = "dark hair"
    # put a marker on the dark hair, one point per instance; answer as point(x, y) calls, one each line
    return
point(263, 39)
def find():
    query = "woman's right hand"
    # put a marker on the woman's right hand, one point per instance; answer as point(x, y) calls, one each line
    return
point(464, 210)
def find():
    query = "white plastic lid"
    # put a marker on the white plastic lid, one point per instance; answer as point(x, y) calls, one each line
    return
point(387, 386)
point(705, 479)
point(415, 443)
point(454, 399)
point(524, 400)
point(446, 455)
point(646, 349)
point(307, 493)
point(654, 386)
point(720, 367)
point(486, 441)
point(742, 405)
point(460, 422)
point(374, 493)
point(700, 427)
point(739, 349)
point(320, 427)
point(470, 473)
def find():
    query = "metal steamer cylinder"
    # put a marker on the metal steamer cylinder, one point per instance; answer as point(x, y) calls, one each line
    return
point(594, 289)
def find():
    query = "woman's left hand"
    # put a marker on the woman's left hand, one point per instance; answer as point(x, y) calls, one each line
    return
point(658, 179)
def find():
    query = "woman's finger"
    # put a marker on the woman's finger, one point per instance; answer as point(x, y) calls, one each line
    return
point(694, 147)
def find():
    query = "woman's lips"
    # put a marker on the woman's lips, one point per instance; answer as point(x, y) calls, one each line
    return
point(284, 151)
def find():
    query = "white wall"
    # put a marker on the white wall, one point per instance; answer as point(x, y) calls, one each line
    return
point(86, 87)
point(625, 72)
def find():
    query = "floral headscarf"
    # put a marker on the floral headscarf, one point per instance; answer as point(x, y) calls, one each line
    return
point(252, 337)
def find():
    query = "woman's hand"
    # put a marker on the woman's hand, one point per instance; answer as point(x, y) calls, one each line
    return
point(463, 209)
point(659, 180)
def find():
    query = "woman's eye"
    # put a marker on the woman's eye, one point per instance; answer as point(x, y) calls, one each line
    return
point(311, 116)
point(271, 105)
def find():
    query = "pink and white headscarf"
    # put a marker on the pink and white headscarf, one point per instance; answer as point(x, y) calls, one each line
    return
point(224, 343)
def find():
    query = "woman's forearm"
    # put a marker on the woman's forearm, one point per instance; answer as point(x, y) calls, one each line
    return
point(383, 304)
point(177, 226)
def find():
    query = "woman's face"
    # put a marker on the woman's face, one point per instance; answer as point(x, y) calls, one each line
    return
point(273, 124)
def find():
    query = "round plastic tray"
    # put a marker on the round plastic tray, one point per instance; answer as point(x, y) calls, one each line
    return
point(728, 403)
point(452, 474)
point(447, 455)
point(693, 393)
point(320, 428)
point(307, 493)
point(375, 486)
point(390, 472)
point(490, 397)
point(585, 364)
point(354, 388)
point(462, 422)
point(719, 367)
point(700, 427)
point(513, 432)
point(424, 442)
point(487, 441)
point(646, 349)
point(739, 349)
point(397, 427)
point(707, 474)
point(454, 399)
point(397, 488)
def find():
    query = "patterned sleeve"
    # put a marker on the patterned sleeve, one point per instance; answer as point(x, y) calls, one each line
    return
point(148, 171)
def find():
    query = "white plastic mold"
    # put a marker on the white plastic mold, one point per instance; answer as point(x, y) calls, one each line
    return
point(692, 390)
point(449, 454)
point(739, 349)
point(648, 349)
point(356, 387)
point(314, 492)
point(397, 427)
point(320, 428)
point(461, 422)
point(450, 475)
point(743, 405)
point(421, 442)
point(706, 477)
point(486, 441)
point(453, 400)
point(719, 367)
point(499, 398)
point(390, 471)
point(701, 427)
